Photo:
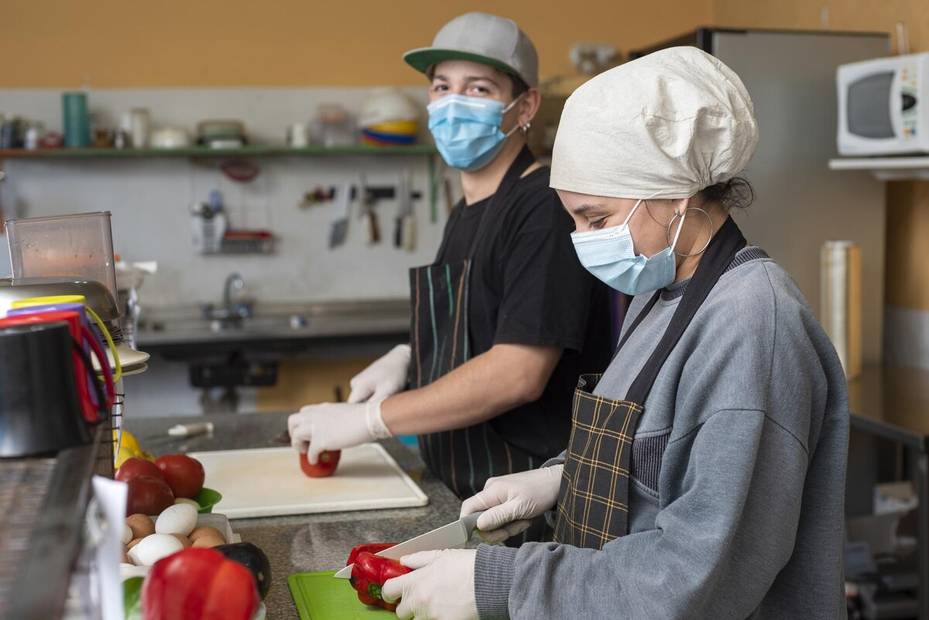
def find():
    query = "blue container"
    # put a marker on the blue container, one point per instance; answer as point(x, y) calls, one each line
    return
point(76, 119)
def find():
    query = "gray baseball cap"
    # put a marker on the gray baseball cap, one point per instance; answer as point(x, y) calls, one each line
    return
point(482, 38)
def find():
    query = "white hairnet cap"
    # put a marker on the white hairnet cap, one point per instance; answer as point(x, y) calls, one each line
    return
point(663, 126)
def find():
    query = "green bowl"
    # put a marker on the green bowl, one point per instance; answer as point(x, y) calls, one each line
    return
point(207, 498)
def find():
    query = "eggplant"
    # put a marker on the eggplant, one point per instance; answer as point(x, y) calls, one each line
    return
point(252, 558)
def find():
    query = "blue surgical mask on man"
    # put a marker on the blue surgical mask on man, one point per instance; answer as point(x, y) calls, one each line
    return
point(467, 129)
point(609, 254)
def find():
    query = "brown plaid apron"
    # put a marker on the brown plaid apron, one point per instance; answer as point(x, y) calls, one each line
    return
point(593, 502)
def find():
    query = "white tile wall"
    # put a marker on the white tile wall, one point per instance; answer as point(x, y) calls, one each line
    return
point(150, 198)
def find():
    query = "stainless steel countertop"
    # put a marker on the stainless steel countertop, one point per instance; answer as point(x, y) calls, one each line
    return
point(276, 321)
point(305, 542)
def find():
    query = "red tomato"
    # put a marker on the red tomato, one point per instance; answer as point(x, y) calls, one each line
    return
point(183, 474)
point(148, 495)
point(199, 584)
point(325, 465)
point(137, 467)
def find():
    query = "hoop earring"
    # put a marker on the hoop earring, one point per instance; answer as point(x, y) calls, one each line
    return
point(709, 221)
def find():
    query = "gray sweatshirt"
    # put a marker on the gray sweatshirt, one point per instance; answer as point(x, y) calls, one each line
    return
point(737, 496)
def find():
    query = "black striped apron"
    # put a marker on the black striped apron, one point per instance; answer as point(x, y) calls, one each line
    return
point(593, 502)
point(464, 458)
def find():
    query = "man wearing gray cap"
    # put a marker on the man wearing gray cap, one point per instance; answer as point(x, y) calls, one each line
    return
point(506, 319)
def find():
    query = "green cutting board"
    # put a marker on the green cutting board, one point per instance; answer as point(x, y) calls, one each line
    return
point(319, 596)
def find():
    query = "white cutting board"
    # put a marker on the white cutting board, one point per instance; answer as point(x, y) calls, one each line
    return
point(268, 482)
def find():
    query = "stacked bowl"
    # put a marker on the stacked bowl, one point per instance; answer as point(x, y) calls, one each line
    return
point(388, 118)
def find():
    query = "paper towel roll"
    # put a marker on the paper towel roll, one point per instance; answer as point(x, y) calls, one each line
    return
point(840, 301)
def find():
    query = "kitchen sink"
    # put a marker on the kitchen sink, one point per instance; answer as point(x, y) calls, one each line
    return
point(234, 326)
point(272, 326)
point(262, 324)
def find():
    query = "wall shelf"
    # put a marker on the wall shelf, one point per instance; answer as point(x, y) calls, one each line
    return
point(257, 150)
point(201, 151)
point(886, 168)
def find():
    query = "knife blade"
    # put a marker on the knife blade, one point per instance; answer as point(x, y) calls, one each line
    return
point(455, 534)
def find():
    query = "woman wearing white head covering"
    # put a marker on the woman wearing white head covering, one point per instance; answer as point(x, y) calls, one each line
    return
point(705, 473)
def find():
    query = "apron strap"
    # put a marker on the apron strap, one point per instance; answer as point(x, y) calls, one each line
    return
point(523, 160)
point(512, 176)
point(720, 252)
point(638, 319)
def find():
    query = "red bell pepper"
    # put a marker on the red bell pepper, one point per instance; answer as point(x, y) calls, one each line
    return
point(199, 584)
point(372, 548)
point(369, 574)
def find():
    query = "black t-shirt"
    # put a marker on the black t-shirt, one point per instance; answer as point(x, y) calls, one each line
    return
point(527, 287)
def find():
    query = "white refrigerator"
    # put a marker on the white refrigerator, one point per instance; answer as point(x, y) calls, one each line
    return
point(799, 203)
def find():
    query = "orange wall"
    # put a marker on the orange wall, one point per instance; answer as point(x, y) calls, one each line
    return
point(907, 277)
point(119, 43)
point(115, 43)
point(871, 15)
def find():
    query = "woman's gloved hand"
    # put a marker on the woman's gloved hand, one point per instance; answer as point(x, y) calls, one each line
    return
point(384, 377)
point(441, 586)
point(511, 502)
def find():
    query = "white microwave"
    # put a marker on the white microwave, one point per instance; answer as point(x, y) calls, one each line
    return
point(884, 106)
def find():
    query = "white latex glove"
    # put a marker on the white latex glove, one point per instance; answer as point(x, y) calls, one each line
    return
point(333, 426)
point(441, 586)
point(384, 377)
point(512, 501)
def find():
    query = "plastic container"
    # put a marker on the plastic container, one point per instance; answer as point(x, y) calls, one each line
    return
point(39, 407)
point(333, 126)
point(76, 246)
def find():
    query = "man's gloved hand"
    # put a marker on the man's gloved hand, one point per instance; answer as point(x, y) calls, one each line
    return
point(383, 378)
point(334, 426)
point(512, 501)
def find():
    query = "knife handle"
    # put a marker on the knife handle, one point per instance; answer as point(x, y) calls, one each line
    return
point(470, 521)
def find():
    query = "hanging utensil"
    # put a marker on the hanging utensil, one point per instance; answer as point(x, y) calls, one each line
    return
point(372, 225)
point(449, 203)
point(405, 222)
point(338, 227)
point(409, 217)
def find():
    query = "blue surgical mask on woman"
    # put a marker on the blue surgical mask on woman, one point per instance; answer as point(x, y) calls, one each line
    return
point(467, 129)
point(609, 254)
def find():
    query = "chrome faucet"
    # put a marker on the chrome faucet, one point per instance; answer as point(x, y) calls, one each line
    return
point(235, 283)
point(231, 312)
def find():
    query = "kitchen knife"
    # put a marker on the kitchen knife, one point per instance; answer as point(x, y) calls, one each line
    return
point(451, 536)
point(338, 225)
point(404, 223)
